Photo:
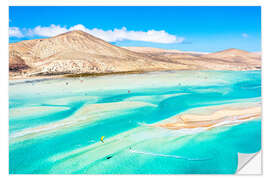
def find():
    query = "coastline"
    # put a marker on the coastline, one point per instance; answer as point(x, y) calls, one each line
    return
point(213, 116)
point(61, 76)
point(39, 77)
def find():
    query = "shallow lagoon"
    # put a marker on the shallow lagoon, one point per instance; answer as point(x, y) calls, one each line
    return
point(56, 125)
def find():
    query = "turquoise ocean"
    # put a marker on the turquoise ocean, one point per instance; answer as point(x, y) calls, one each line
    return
point(55, 125)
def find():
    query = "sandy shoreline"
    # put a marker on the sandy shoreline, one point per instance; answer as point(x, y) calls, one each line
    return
point(209, 117)
point(40, 77)
point(48, 77)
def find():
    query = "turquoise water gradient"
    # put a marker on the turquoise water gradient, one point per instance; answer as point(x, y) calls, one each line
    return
point(123, 118)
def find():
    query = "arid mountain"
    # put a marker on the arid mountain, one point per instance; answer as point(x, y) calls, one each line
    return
point(16, 63)
point(151, 50)
point(159, 50)
point(233, 55)
point(230, 59)
point(77, 52)
point(237, 56)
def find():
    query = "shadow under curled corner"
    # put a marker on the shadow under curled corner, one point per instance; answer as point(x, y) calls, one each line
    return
point(249, 164)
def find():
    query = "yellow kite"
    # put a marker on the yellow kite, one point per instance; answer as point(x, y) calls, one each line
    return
point(101, 139)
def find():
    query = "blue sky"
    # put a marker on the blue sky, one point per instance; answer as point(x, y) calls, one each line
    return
point(201, 28)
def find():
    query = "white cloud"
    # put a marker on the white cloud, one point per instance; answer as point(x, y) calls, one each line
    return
point(124, 34)
point(15, 32)
point(109, 35)
point(49, 31)
point(245, 35)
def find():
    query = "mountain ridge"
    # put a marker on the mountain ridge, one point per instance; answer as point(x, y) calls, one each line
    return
point(77, 52)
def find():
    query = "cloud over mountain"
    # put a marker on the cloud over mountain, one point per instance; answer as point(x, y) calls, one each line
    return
point(15, 32)
point(156, 36)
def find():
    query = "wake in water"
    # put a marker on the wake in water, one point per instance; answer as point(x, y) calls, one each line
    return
point(169, 156)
